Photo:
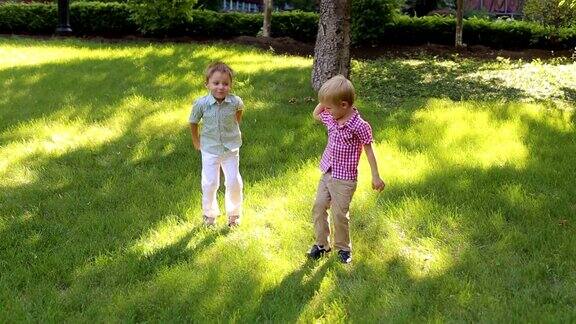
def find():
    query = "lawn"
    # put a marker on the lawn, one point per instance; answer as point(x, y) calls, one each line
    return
point(100, 190)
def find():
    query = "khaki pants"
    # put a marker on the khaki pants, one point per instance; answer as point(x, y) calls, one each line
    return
point(336, 195)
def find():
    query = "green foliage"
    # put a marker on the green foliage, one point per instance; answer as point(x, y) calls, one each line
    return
point(551, 12)
point(302, 26)
point(29, 19)
point(298, 25)
point(571, 3)
point(98, 18)
point(497, 34)
point(413, 31)
point(87, 18)
point(213, 5)
point(482, 14)
point(115, 19)
point(162, 16)
point(369, 17)
point(208, 23)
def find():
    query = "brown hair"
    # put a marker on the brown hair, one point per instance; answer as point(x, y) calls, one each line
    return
point(218, 67)
point(337, 89)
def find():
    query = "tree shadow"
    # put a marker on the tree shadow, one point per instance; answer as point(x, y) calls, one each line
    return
point(396, 83)
point(569, 94)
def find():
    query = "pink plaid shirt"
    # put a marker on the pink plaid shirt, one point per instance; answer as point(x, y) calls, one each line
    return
point(344, 147)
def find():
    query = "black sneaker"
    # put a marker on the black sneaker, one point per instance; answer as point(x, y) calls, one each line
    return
point(345, 256)
point(317, 251)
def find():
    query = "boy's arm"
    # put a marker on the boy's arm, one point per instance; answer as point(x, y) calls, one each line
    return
point(195, 136)
point(377, 182)
point(239, 114)
point(239, 110)
point(317, 111)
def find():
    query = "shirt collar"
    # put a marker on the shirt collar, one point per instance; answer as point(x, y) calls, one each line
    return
point(213, 100)
point(350, 121)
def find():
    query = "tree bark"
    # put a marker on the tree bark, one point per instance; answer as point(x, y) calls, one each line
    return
point(459, 14)
point(267, 26)
point(332, 49)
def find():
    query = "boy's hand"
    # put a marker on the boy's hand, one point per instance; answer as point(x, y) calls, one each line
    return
point(317, 111)
point(378, 184)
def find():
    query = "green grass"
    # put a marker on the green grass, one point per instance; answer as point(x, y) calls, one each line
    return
point(100, 195)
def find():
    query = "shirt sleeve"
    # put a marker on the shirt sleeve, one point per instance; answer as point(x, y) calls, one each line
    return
point(325, 117)
point(364, 133)
point(196, 113)
point(240, 105)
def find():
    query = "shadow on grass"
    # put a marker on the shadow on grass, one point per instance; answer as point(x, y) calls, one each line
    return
point(392, 83)
point(286, 301)
point(68, 234)
point(570, 94)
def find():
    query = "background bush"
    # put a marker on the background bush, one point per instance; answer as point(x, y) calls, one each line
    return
point(87, 18)
point(161, 16)
point(106, 19)
point(550, 12)
point(28, 19)
point(369, 16)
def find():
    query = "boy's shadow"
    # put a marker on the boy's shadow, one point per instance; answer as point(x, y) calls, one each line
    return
point(179, 251)
point(288, 299)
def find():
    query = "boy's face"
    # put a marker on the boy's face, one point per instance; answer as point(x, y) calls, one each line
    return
point(219, 85)
point(338, 111)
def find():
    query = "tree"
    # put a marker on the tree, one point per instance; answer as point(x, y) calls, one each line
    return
point(332, 49)
point(459, 14)
point(267, 26)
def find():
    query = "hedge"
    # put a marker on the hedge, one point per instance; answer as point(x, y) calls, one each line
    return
point(87, 18)
point(114, 19)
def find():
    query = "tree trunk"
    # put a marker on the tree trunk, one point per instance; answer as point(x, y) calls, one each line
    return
point(267, 26)
point(459, 14)
point(332, 49)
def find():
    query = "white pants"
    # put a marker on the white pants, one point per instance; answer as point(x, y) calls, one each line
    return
point(211, 164)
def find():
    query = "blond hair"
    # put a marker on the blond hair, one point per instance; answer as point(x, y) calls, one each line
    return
point(336, 90)
point(218, 67)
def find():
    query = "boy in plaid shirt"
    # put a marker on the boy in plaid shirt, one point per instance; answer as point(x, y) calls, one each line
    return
point(348, 134)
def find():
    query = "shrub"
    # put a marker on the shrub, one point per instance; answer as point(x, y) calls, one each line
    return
point(97, 18)
point(28, 19)
point(161, 16)
point(368, 18)
point(556, 13)
point(213, 5)
point(299, 25)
